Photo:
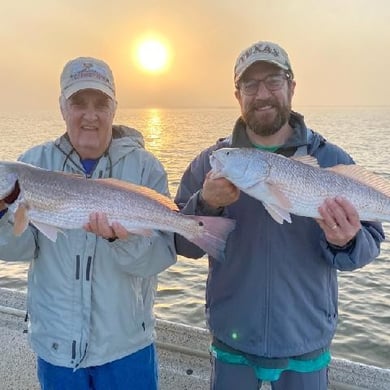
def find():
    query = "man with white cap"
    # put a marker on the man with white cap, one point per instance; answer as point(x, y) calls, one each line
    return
point(91, 293)
point(271, 306)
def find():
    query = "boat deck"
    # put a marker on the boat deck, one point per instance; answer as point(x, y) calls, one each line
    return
point(183, 354)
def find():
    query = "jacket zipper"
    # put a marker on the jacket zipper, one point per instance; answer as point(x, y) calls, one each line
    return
point(267, 299)
point(88, 270)
point(77, 267)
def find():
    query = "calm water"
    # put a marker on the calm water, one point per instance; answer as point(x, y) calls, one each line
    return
point(175, 137)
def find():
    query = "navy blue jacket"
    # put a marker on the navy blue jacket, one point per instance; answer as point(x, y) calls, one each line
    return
point(276, 293)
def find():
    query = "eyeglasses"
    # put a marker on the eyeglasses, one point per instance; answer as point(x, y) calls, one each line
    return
point(273, 82)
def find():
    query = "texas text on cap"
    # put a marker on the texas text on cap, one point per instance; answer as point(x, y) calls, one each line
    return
point(87, 73)
point(261, 51)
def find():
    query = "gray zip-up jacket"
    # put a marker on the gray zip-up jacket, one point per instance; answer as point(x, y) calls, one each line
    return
point(275, 295)
point(90, 301)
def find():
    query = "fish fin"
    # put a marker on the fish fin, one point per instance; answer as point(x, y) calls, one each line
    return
point(146, 191)
point(364, 176)
point(47, 230)
point(276, 191)
point(280, 202)
point(214, 234)
point(307, 159)
point(277, 213)
point(72, 174)
point(142, 232)
point(20, 219)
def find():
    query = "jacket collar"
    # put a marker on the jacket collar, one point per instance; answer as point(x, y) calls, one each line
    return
point(124, 141)
point(240, 138)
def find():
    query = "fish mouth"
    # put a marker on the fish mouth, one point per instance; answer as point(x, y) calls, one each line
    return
point(214, 162)
point(216, 167)
point(7, 185)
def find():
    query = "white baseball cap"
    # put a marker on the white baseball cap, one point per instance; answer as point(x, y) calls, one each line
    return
point(87, 73)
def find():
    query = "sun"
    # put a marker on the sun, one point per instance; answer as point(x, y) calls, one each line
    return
point(152, 55)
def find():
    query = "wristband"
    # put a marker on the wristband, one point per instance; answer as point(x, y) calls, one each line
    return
point(348, 245)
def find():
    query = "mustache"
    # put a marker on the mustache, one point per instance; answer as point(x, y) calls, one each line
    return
point(262, 103)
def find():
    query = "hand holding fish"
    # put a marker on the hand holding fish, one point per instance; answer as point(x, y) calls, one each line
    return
point(219, 192)
point(340, 221)
point(98, 224)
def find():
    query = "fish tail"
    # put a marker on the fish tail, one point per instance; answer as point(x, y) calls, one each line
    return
point(213, 235)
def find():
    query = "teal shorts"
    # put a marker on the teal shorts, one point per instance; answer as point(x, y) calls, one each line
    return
point(230, 376)
point(273, 374)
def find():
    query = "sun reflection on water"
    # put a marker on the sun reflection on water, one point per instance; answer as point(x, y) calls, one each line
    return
point(153, 131)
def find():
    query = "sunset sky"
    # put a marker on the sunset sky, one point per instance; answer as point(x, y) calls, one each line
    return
point(339, 49)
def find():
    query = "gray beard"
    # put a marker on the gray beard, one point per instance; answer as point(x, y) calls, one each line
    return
point(269, 128)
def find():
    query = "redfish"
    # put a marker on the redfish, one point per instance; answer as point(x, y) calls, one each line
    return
point(297, 185)
point(56, 201)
